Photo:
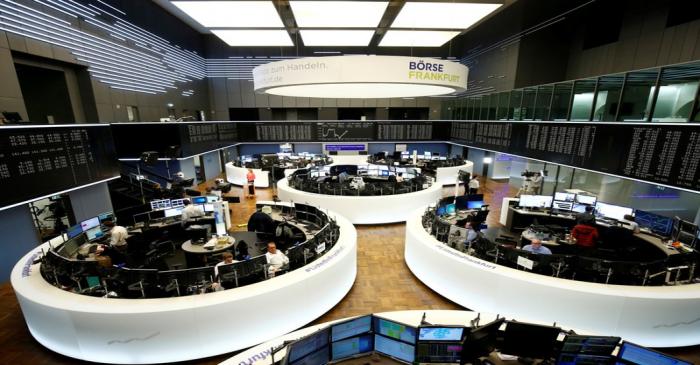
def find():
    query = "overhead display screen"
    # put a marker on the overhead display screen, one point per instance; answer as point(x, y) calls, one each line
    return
point(345, 131)
point(657, 153)
point(43, 160)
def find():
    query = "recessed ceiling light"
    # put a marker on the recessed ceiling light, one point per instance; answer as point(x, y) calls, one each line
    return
point(338, 14)
point(347, 38)
point(254, 38)
point(232, 14)
point(416, 38)
point(441, 15)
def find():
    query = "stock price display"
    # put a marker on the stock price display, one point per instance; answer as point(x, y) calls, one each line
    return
point(665, 154)
point(44, 160)
point(345, 131)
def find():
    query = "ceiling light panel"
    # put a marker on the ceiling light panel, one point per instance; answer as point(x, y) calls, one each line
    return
point(232, 14)
point(338, 14)
point(416, 38)
point(441, 15)
point(342, 38)
point(254, 38)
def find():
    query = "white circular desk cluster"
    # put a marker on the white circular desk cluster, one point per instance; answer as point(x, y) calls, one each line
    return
point(654, 316)
point(137, 331)
point(238, 176)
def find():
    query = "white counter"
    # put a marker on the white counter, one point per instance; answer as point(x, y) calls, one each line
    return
point(137, 331)
point(666, 316)
point(373, 209)
point(450, 175)
point(237, 176)
point(348, 159)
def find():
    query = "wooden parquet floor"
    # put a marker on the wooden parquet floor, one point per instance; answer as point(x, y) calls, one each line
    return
point(384, 283)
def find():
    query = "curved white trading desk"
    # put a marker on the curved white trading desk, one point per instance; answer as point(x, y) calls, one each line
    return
point(138, 331)
point(450, 175)
point(373, 209)
point(237, 176)
point(259, 355)
point(661, 316)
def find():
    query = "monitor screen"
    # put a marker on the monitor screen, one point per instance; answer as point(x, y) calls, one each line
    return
point(639, 355)
point(565, 197)
point(177, 203)
point(450, 209)
point(562, 205)
point(612, 211)
point(579, 208)
point(535, 201)
point(212, 198)
point(351, 328)
point(393, 348)
point(441, 210)
point(427, 154)
point(592, 345)
point(474, 204)
point(585, 199)
point(208, 207)
point(442, 353)
point(90, 223)
point(174, 212)
point(584, 359)
point(475, 197)
point(395, 330)
point(529, 340)
point(319, 357)
point(385, 172)
point(74, 231)
point(654, 222)
point(481, 341)
point(160, 204)
point(94, 233)
point(307, 345)
point(108, 216)
point(351, 346)
point(199, 200)
point(440, 333)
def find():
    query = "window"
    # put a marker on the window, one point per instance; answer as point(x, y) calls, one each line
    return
point(502, 112)
point(583, 100)
point(608, 97)
point(560, 101)
point(527, 111)
point(132, 113)
point(677, 90)
point(544, 98)
point(514, 109)
point(637, 96)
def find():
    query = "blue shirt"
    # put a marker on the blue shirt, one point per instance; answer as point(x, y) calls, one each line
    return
point(541, 250)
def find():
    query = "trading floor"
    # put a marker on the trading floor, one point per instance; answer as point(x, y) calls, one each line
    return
point(381, 268)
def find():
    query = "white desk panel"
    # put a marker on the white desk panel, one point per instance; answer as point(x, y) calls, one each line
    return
point(450, 175)
point(237, 176)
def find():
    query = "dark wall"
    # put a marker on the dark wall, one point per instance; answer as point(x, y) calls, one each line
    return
point(45, 93)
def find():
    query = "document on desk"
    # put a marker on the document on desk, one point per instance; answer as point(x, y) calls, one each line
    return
point(525, 262)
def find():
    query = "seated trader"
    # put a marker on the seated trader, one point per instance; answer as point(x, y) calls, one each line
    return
point(261, 221)
point(228, 259)
point(630, 223)
point(343, 176)
point(585, 235)
point(191, 211)
point(399, 177)
point(586, 217)
point(275, 259)
point(535, 246)
point(117, 235)
point(471, 234)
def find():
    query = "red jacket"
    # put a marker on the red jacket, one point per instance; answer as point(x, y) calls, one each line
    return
point(585, 235)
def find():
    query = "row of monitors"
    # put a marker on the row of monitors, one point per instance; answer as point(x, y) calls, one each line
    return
point(169, 213)
point(461, 345)
point(451, 205)
point(577, 203)
point(91, 227)
point(164, 204)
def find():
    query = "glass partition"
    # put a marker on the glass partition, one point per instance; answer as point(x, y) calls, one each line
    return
point(490, 102)
point(582, 103)
point(560, 101)
point(544, 98)
point(678, 87)
point(461, 108)
point(608, 97)
point(502, 111)
point(514, 109)
point(469, 108)
point(478, 107)
point(637, 96)
point(527, 108)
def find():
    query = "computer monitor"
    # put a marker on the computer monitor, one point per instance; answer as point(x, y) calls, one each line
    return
point(585, 199)
point(592, 345)
point(90, 223)
point(208, 207)
point(74, 231)
point(352, 346)
point(634, 354)
point(474, 204)
point(156, 214)
point(481, 341)
point(562, 205)
point(395, 330)
point(440, 333)
point(396, 349)
point(177, 203)
point(319, 357)
point(353, 327)
point(584, 359)
point(438, 353)
point(654, 222)
point(385, 172)
point(174, 212)
point(529, 340)
point(94, 233)
point(160, 204)
point(579, 208)
point(565, 197)
point(461, 202)
point(141, 217)
point(427, 155)
point(212, 198)
point(307, 345)
point(199, 200)
point(441, 210)
point(450, 209)
point(535, 201)
point(107, 216)
point(475, 197)
point(612, 211)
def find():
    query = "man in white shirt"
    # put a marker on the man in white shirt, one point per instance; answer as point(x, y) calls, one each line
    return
point(191, 211)
point(473, 185)
point(117, 234)
point(535, 246)
point(536, 183)
point(275, 259)
point(228, 259)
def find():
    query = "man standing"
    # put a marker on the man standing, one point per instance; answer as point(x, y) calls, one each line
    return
point(473, 185)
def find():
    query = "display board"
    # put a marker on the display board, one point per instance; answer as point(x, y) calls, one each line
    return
point(406, 131)
point(352, 131)
point(343, 131)
point(43, 160)
point(657, 153)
